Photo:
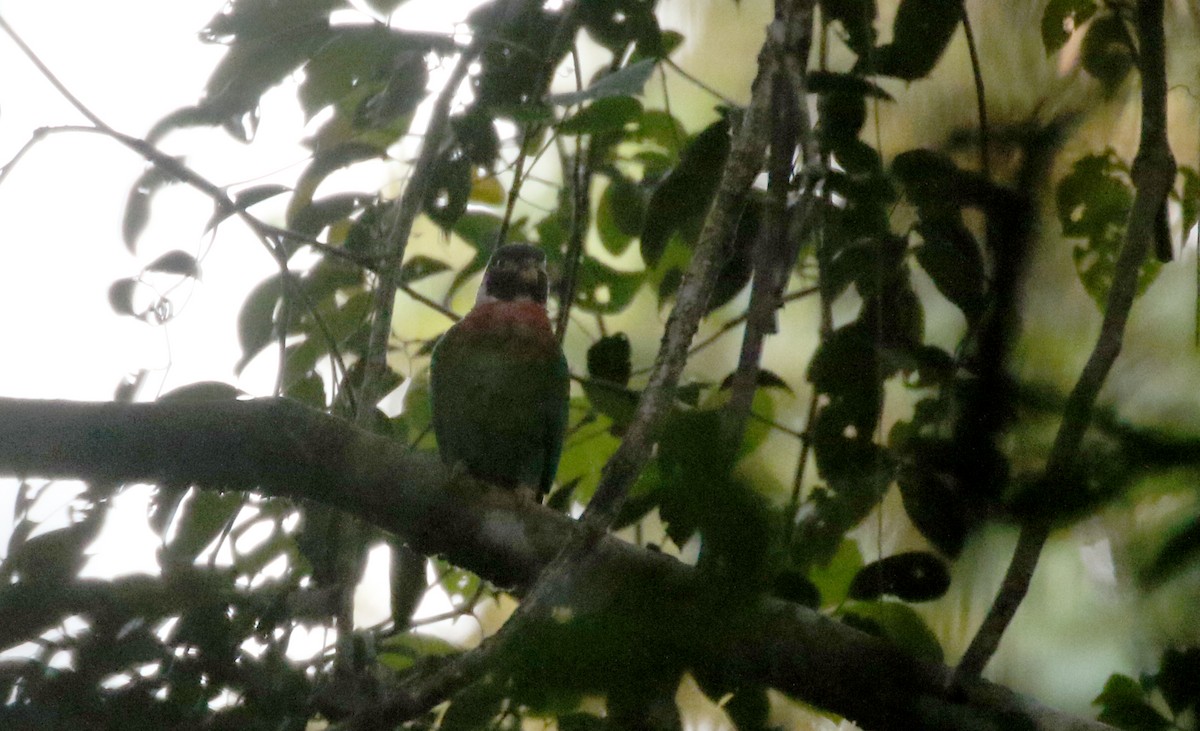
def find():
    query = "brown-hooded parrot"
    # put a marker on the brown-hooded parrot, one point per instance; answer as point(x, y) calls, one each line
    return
point(499, 381)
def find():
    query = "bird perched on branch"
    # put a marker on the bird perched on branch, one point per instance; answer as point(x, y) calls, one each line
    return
point(499, 380)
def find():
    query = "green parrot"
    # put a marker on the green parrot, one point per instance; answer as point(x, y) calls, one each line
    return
point(499, 382)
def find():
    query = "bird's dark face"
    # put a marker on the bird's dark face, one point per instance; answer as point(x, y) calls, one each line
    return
point(515, 272)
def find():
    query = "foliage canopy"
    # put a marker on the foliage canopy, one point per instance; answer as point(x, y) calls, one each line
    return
point(642, 218)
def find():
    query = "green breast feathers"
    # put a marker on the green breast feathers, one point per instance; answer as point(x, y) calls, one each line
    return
point(499, 381)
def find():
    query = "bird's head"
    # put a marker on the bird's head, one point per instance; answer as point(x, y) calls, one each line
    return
point(515, 272)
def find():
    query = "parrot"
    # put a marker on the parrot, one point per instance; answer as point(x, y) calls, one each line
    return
point(499, 382)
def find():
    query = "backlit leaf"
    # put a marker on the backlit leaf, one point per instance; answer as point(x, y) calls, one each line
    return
point(627, 81)
point(176, 262)
point(120, 296)
point(899, 624)
point(1062, 18)
point(912, 576)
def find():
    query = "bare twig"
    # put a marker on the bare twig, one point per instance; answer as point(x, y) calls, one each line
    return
point(744, 162)
point(436, 307)
point(1153, 175)
point(775, 252)
point(733, 323)
point(980, 99)
point(581, 195)
point(399, 224)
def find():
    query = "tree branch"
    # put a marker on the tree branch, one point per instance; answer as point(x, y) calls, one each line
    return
point(743, 164)
point(1153, 176)
point(282, 448)
point(775, 252)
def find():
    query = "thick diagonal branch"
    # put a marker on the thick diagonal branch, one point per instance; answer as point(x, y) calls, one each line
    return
point(282, 448)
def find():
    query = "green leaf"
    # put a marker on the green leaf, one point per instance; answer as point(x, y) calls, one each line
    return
point(1061, 15)
point(418, 267)
point(914, 576)
point(449, 191)
point(620, 214)
point(827, 82)
point(857, 18)
point(610, 367)
point(1189, 201)
point(609, 114)
point(264, 49)
point(399, 652)
point(1107, 51)
point(615, 24)
point(137, 206)
point(199, 521)
point(1093, 203)
point(55, 556)
point(360, 61)
point(846, 362)
point(309, 389)
point(325, 162)
point(920, 34)
point(176, 262)
point(833, 577)
point(661, 128)
point(951, 258)
point(609, 358)
point(244, 200)
point(313, 218)
point(793, 586)
point(627, 81)
point(683, 196)
point(473, 708)
point(581, 722)
point(935, 505)
point(840, 117)
point(1179, 678)
point(256, 320)
point(120, 296)
point(604, 290)
point(1124, 705)
point(764, 379)
point(1180, 550)
point(899, 624)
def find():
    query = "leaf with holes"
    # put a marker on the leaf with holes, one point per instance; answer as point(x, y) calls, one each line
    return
point(1093, 203)
point(604, 290)
point(914, 576)
point(1061, 19)
point(1107, 52)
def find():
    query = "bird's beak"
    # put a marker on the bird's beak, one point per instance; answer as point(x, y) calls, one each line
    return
point(531, 275)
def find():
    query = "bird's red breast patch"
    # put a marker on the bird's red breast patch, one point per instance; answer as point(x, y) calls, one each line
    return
point(523, 324)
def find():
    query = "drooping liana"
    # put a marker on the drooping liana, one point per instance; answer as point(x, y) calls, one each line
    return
point(499, 380)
